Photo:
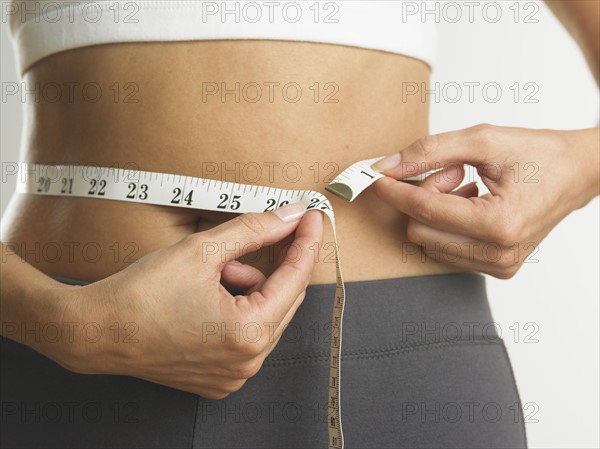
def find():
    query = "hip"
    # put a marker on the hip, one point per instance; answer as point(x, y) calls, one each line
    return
point(422, 366)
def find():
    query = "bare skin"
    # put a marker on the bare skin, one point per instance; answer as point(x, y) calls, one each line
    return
point(174, 129)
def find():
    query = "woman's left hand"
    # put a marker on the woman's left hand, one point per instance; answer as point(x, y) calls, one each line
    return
point(535, 179)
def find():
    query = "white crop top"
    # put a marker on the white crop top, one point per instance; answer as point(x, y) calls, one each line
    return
point(42, 27)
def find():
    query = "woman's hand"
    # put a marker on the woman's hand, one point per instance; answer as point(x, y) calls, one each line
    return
point(178, 326)
point(535, 179)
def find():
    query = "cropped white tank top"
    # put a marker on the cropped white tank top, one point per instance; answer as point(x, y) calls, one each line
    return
point(40, 28)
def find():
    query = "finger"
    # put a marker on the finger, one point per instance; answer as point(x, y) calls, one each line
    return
point(246, 277)
point(436, 151)
point(446, 180)
point(281, 290)
point(226, 385)
point(213, 394)
point(250, 232)
point(198, 388)
point(464, 252)
point(469, 190)
point(278, 332)
point(450, 213)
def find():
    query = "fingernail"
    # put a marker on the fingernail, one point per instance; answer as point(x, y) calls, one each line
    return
point(290, 212)
point(386, 163)
point(234, 262)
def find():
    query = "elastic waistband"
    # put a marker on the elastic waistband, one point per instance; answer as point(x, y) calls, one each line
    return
point(394, 315)
point(387, 316)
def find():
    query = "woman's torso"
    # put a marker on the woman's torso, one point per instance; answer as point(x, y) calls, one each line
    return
point(163, 108)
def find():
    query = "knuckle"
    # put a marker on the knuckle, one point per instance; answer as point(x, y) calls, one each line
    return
point(423, 210)
point(500, 233)
point(506, 231)
point(234, 385)
point(484, 132)
point(427, 144)
point(237, 386)
point(505, 273)
point(252, 368)
point(506, 260)
point(247, 369)
point(214, 395)
point(248, 349)
point(510, 234)
point(252, 223)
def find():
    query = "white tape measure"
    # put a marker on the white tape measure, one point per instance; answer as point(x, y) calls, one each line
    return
point(220, 196)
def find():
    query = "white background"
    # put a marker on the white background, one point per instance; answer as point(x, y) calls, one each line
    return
point(558, 295)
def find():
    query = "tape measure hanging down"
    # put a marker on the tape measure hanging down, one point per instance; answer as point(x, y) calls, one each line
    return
point(206, 194)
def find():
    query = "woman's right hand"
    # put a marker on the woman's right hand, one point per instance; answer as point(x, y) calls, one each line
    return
point(168, 319)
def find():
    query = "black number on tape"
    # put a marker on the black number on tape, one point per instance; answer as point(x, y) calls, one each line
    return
point(177, 198)
point(143, 191)
point(44, 185)
point(67, 185)
point(101, 185)
point(271, 204)
point(234, 205)
point(313, 203)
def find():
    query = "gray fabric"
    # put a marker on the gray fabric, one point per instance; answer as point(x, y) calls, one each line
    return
point(422, 367)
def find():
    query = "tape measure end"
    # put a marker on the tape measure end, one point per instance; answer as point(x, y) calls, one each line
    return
point(340, 190)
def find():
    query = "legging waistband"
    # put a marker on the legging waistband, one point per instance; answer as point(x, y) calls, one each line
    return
point(384, 316)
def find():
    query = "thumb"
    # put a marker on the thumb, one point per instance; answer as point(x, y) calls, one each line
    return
point(251, 231)
point(246, 277)
point(467, 146)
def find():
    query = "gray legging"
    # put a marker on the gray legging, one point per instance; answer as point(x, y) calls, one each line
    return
point(422, 366)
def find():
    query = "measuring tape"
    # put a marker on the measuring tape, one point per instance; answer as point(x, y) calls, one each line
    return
point(207, 194)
